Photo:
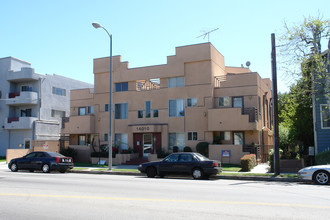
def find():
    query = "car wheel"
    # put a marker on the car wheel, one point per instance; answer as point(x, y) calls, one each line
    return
point(45, 168)
point(321, 177)
point(151, 172)
point(13, 167)
point(197, 173)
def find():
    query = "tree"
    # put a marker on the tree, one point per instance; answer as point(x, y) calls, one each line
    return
point(302, 49)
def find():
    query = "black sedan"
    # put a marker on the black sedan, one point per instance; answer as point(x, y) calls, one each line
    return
point(193, 164)
point(41, 160)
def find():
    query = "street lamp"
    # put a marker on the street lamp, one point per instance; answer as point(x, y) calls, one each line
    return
point(97, 25)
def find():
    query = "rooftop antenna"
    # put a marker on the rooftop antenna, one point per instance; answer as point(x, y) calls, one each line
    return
point(207, 34)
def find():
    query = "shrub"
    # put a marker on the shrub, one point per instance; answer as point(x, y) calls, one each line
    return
point(68, 152)
point(203, 148)
point(162, 154)
point(323, 158)
point(175, 149)
point(100, 154)
point(187, 149)
point(248, 162)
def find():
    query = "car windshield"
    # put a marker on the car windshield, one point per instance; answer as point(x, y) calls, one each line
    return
point(54, 154)
point(201, 157)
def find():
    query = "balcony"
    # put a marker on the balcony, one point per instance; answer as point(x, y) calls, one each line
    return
point(19, 122)
point(26, 74)
point(79, 125)
point(22, 98)
point(231, 119)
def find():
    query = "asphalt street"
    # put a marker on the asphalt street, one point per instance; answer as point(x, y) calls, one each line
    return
point(25, 195)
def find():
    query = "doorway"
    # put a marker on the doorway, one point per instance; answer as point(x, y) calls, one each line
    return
point(147, 144)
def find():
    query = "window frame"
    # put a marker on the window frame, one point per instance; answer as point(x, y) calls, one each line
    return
point(122, 108)
point(225, 101)
point(176, 82)
point(192, 136)
point(191, 102)
point(178, 113)
point(121, 87)
point(322, 120)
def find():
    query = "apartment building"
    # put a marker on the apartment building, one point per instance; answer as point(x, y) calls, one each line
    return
point(193, 98)
point(31, 105)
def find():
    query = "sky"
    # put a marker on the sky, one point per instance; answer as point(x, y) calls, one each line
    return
point(57, 37)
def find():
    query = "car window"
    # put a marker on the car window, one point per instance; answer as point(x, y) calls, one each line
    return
point(201, 157)
point(54, 154)
point(31, 155)
point(172, 158)
point(40, 154)
point(186, 158)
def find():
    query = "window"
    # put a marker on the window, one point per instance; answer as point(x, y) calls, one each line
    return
point(175, 82)
point(82, 140)
point(238, 138)
point(59, 91)
point(82, 111)
point(148, 110)
point(191, 102)
point(26, 112)
point(259, 102)
point(106, 107)
point(105, 137)
point(176, 139)
point(26, 88)
point(121, 87)
point(224, 101)
point(186, 158)
point(325, 116)
point(172, 158)
point(58, 114)
point(121, 141)
point(155, 113)
point(140, 114)
point(121, 111)
point(225, 135)
point(237, 102)
point(176, 108)
point(192, 136)
point(145, 85)
point(90, 110)
point(27, 143)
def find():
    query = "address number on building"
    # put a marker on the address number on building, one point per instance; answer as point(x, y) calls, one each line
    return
point(142, 128)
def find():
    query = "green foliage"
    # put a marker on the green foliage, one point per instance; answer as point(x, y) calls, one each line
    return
point(203, 148)
point(68, 152)
point(100, 154)
point(187, 149)
point(323, 158)
point(248, 162)
point(175, 149)
point(271, 159)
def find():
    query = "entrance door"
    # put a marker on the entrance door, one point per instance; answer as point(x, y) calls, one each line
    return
point(147, 144)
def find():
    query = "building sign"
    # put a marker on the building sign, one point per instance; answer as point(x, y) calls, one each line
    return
point(142, 128)
point(45, 146)
point(225, 153)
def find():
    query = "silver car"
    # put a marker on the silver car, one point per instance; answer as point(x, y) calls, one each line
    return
point(319, 174)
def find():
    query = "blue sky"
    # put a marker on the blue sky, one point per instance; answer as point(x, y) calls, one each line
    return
point(57, 36)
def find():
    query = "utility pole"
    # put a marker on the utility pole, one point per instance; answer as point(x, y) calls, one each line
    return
point(275, 109)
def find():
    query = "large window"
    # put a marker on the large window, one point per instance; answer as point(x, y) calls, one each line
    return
point(121, 141)
point(176, 82)
point(59, 91)
point(224, 101)
point(225, 135)
point(325, 116)
point(191, 102)
point(148, 109)
point(121, 87)
point(238, 138)
point(176, 139)
point(176, 108)
point(121, 111)
point(26, 112)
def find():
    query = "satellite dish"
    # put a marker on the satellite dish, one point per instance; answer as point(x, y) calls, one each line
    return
point(248, 63)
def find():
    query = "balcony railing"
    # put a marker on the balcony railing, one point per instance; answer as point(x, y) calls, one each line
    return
point(20, 122)
point(252, 112)
point(19, 98)
point(145, 85)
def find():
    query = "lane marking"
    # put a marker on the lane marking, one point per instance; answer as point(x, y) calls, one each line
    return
point(166, 200)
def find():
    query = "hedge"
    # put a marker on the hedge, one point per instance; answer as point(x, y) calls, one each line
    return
point(248, 162)
point(323, 158)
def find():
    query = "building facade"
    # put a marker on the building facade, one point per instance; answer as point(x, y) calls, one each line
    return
point(193, 98)
point(321, 109)
point(31, 104)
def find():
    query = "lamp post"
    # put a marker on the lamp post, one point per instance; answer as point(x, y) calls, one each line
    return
point(97, 25)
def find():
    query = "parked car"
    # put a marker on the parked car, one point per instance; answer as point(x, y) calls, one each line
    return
point(41, 160)
point(319, 174)
point(185, 163)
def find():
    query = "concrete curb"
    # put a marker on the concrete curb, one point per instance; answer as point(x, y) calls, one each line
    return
point(250, 178)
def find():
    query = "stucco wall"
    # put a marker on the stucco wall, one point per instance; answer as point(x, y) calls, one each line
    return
point(235, 156)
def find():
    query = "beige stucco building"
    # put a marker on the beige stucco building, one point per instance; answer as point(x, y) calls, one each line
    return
point(193, 98)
